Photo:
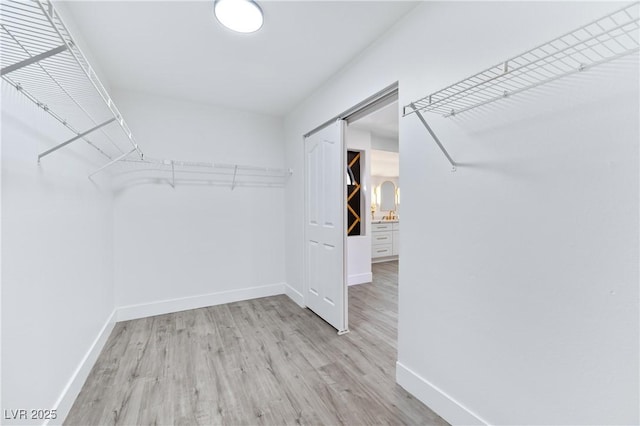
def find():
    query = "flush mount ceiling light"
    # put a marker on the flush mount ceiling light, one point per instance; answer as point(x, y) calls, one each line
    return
point(243, 16)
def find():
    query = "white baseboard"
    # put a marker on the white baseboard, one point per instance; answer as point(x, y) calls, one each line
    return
point(359, 278)
point(384, 259)
point(143, 310)
point(448, 408)
point(73, 387)
point(294, 295)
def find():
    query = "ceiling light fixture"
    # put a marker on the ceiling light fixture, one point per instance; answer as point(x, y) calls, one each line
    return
point(243, 16)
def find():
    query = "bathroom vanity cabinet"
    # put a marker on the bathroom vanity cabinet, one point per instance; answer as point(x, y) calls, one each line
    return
point(384, 240)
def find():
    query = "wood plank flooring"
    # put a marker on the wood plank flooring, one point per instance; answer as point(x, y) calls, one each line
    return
point(264, 361)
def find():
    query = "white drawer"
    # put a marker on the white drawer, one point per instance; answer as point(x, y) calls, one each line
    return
point(396, 226)
point(381, 251)
point(375, 227)
point(384, 237)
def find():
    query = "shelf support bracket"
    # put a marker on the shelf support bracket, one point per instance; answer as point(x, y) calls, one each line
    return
point(33, 59)
point(454, 166)
point(173, 175)
point(112, 162)
point(235, 172)
point(75, 138)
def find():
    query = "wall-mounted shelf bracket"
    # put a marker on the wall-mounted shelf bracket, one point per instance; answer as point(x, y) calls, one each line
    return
point(33, 59)
point(75, 138)
point(454, 166)
point(605, 39)
point(173, 175)
point(114, 161)
point(235, 173)
point(42, 61)
point(171, 163)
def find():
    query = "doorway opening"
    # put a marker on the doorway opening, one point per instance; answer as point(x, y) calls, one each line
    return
point(373, 256)
point(376, 138)
point(341, 204)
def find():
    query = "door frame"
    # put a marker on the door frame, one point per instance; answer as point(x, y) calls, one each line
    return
point(370, 104)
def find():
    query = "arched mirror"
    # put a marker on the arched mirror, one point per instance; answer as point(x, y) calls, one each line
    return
point(387, 196)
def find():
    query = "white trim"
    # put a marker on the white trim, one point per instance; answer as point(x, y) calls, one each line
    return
point(435, 398)
point(342, 127)
point(294, 295)
point(143, 310)
point(79, 376)
point(360, 278)
point(385, 259)
point(305, 252)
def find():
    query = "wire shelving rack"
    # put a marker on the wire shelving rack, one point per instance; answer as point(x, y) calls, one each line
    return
point(42, 61)
point(603, 40)
point(199, 172)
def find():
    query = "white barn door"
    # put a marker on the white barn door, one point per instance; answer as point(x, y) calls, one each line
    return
point(325, 237)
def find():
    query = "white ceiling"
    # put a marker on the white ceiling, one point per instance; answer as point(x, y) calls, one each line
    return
point(178, 49)
point(382, 122)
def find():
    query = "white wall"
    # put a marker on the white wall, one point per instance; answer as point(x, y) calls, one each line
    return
point(196, 240)
point(72, 252)
point(519, 277)
point(359, 247)
point(57, 260)
point(384, 143)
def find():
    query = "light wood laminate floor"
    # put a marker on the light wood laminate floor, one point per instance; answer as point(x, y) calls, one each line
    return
point(264, 361)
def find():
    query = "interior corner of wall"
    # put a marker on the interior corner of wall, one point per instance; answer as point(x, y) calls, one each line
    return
point(74, 385)
point(294, 295)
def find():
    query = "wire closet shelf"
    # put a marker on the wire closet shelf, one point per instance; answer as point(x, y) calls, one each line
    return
point(199, 172)
point(41, 60)
point(610, 37)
